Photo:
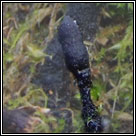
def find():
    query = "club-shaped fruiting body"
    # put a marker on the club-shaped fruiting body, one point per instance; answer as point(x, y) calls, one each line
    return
point(77, 60)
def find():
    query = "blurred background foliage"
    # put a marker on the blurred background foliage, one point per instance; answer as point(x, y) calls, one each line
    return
point(28, 28)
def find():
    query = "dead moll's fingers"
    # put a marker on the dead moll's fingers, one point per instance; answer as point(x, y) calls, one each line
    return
point(77, 60)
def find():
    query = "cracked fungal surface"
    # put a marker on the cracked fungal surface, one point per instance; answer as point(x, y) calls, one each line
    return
point(77, 61)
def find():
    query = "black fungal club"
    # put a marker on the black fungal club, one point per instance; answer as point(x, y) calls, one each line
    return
point(77, 60)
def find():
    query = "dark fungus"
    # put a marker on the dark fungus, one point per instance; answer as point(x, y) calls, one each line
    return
point(77, 60)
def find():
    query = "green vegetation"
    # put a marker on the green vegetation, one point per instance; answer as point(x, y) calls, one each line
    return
point(113, 85)
point(22, 50)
